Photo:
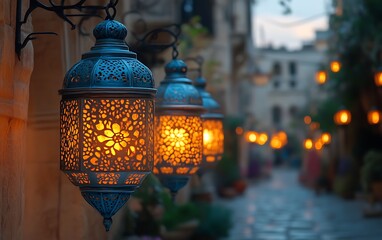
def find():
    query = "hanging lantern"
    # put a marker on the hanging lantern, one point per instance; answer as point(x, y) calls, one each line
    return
point(178, 128)
point(326, 138)
point(335, 66)
point(342, 117)
point(374, 116)
point(213, 132)
point(378, 77)
point(106, 122)
point(308, 144)
point(321, 77)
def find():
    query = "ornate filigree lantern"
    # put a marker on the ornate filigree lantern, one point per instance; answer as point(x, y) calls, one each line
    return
point(178, 128)
point(213, 132)
point(107, 121)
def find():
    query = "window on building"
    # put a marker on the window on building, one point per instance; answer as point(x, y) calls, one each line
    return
point(292, 83)
point(276, 69)
point(276, 115)
point(292, 68)
point(276, 84)
point(293, 111)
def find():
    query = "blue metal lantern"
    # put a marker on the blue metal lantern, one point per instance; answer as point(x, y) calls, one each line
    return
point(213, 132)
point(107, 122)
point(178, 128)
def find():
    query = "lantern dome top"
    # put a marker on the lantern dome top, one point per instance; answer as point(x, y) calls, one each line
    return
point(176, 90)
point(109, 64)
point(110, 29)
point(212, 107)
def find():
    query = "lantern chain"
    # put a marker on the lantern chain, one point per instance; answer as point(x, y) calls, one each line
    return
point(61, 10)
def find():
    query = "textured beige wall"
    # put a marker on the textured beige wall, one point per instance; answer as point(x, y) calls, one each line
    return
point(14, 83)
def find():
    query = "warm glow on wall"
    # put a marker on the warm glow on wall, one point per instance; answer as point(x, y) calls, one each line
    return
point(326, 138)
point(374, 117)
point(378, 78)
point(307, 120)
point(342, 117)
point(308, 144)
point(321, 77)
point(335, 66)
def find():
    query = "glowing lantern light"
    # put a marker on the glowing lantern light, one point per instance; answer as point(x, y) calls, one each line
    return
point(308, 144)
point(178, 128)
point(213, 132)
point(374, 116)
point(321, 77)
point(335, 66)
point(251, 136)
point(276, 143)
point(342, 117)
point(283, 137)
point(106, 122)
point(307, 120)
point(318, 144)
point(326, 138)
point(262, 138)
point(239, 130)
point(378, 78)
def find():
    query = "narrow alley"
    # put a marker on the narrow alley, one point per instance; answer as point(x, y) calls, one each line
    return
point(281, 209)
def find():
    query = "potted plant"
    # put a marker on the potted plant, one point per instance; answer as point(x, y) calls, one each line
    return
point(371, 175)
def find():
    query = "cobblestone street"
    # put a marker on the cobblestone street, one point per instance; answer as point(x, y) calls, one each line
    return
point(281, 209)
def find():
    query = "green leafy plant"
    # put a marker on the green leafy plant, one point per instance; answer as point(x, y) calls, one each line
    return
point(372, 169)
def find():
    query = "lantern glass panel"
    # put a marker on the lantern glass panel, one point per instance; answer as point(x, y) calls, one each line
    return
point(213, 139)
point(178, 143)
point(374, 117)
point(104, 137)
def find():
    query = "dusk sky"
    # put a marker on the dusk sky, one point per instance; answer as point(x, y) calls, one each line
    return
point(269, 13)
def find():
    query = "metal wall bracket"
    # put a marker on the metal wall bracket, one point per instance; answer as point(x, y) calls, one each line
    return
point(61, 10)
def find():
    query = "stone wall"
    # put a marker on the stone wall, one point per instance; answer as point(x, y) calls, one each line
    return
point(14, 85)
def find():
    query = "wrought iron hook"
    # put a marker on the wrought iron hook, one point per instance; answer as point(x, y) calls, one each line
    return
point(60, 11)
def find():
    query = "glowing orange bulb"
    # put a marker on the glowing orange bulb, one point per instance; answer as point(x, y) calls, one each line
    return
point(318, 144)
point(239, 130)
point(251, 136)
point(308, 143)
point(276, 143)
point(378, 78)
point(335, 66)
point(342, 117)
point(374, 117)
point(307, 120)
point(262, 138)
point(321, 77)
point(326, 138)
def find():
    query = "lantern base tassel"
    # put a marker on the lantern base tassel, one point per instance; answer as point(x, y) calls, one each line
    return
point(106, 201)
